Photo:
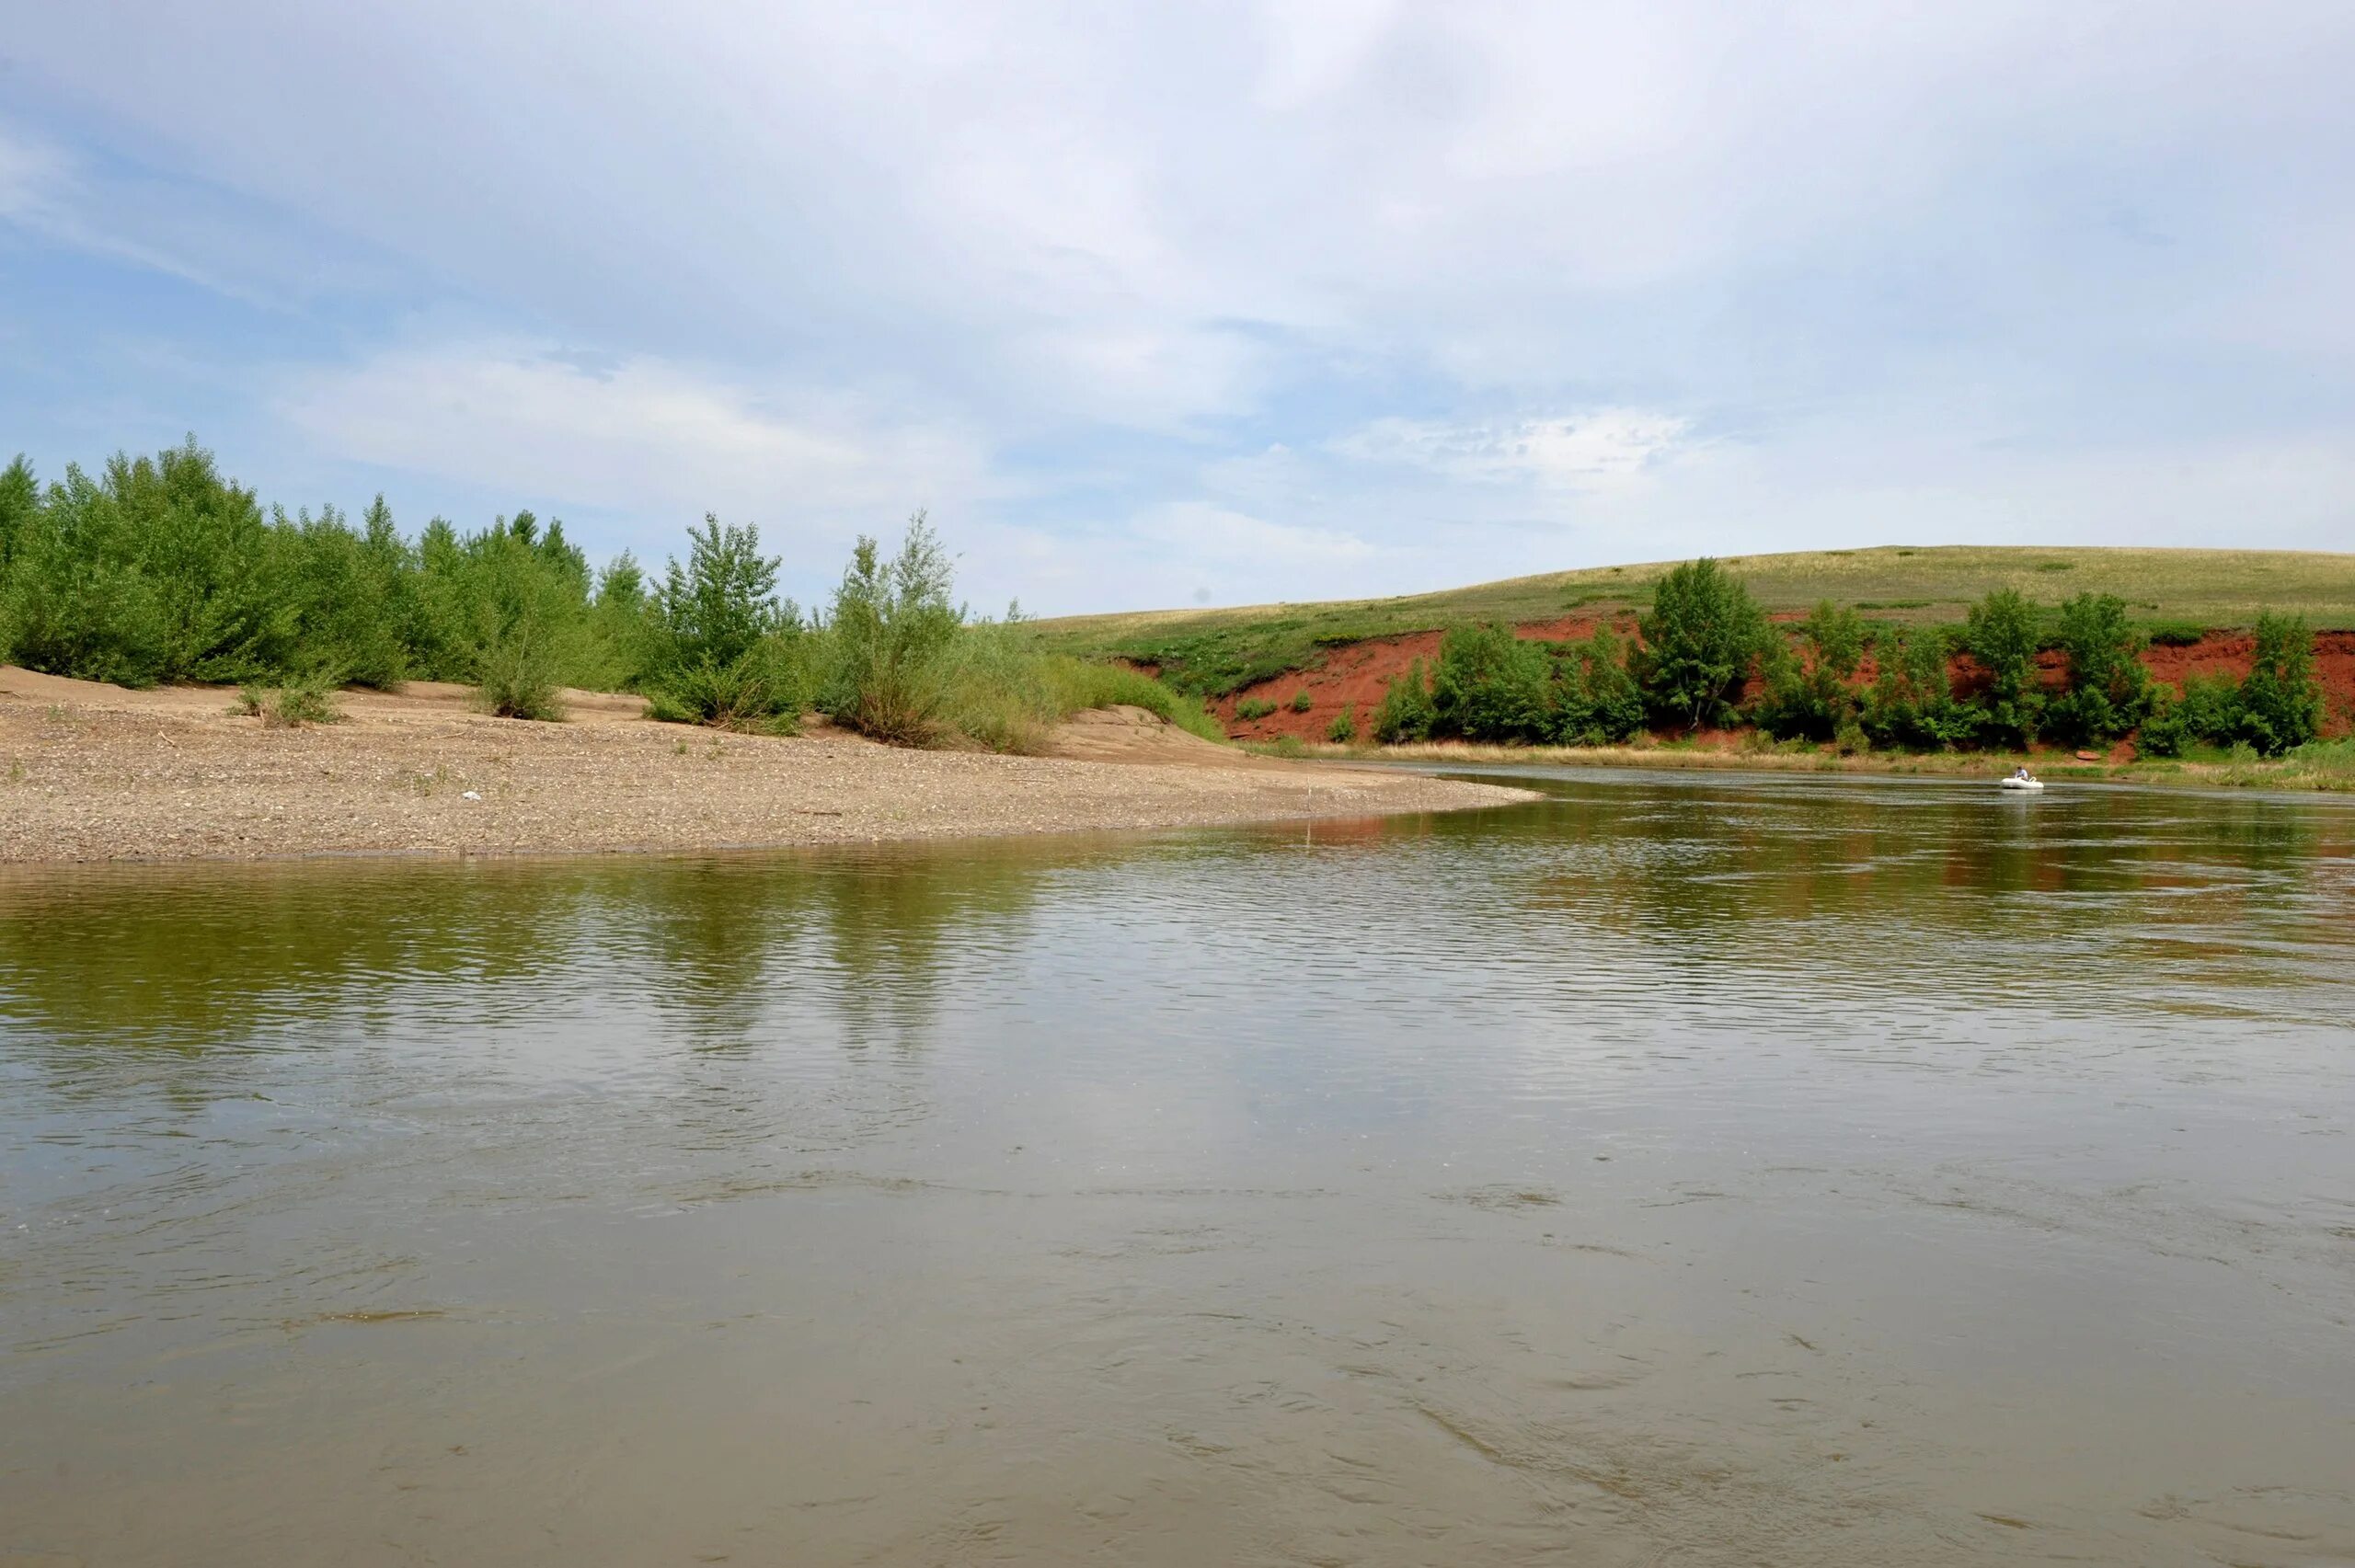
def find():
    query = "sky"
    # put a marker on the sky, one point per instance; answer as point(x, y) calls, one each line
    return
point(1214, 302)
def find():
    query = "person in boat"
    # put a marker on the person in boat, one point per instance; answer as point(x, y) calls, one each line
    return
point(2024, 776)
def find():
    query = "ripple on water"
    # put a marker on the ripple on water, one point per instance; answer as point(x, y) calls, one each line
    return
point(1683, 1169)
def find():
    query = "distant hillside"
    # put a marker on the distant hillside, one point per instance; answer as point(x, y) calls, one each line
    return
point(1218, 651)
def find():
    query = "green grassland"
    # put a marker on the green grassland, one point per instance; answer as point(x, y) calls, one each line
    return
point(1217, 651)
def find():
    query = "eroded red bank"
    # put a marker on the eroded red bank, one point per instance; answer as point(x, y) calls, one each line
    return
point(1356, 675)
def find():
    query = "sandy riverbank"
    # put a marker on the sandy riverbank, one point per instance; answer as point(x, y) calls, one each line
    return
point(90, 772)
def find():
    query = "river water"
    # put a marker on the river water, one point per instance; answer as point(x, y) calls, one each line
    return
point(1684, 1170)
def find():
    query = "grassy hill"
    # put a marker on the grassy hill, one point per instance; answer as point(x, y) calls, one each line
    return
point(1215, 652)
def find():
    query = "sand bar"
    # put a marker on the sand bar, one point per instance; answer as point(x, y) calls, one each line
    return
point(90, 772)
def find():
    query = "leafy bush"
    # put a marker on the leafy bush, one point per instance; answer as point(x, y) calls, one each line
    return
point(301, 702)
point(1251, 709)
point(1491, 686)
point(1407, 713)
point(157, 571)
point(720, 647)
point(2276, 709)
point(1912, 704)
point(2280, 703)
point(1596, 701)
point(506, 609)
point(2166, 729)
point(1302, 702)
point(1702, 637)
point(2108, 689)
point(889, 633)
point(515, 677)
point(1343, 730)
point(2000, 633)
point(626, 635)
point(1809, 699)
point(2211, 708)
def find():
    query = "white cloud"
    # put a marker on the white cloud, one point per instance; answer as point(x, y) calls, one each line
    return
point(640, 434)
point(1581, 452)
point(1185, 269)
point(1230, 541)
point(27, 172)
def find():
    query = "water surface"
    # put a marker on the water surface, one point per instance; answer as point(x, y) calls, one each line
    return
point(1684, 1169)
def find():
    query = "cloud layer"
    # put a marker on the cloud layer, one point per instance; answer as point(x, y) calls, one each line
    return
point(1252, 300)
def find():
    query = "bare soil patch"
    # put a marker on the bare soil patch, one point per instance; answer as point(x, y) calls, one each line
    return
point(1356, 675)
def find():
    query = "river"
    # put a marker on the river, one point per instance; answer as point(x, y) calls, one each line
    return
point(1684, 1168)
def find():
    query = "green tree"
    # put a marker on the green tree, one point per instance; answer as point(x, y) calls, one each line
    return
point(1596, 701)
point(348, 590)
point(157, 571)
point(2108, 689)
point(507, 609)
point(19, 516)
point(1809, 699)
point(2280, 703)
point(1700, 639)
point(1408, 712)
point(723, 654)
point(19, 499)
point(2001, 635)
point(1491, 686)
point(891, 628)
point(1912, 702)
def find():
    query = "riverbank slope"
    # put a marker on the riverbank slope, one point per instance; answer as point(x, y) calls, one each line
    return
point(90, 772)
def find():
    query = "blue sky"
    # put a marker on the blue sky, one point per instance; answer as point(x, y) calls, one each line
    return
point(1205, 304)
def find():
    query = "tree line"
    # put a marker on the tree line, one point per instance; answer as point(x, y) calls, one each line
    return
point(160, 569)
point(1706, 655)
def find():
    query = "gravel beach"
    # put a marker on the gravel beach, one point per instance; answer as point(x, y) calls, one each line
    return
point(92, 773)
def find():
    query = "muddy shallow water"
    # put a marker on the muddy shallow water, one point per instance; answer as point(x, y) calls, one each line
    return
point(1685, 1169)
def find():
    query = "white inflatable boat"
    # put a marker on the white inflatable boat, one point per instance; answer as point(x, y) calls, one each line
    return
point(2015, 781)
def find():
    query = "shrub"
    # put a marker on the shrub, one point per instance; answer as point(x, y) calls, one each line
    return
point(1912, 702)
point(158, 570)
point(890, 632)
point(1251, 709)
point(719, 648)
point(2280, 703)
point(1701, 638)
point(2167, 730)
point(515, 677)
point(2000, 633)
point(1491, 686)
point(350, 593)
point(2211, 709)
point(505, 608)
point(1596, 701)
point(1811, 700)
point(1344, 727)
point(626, 635)
point(300, 703)
point(2108, 689)
point(1407, 713)
point(1302, 702)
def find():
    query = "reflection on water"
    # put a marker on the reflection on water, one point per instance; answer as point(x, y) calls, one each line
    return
point(1681, 1169)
